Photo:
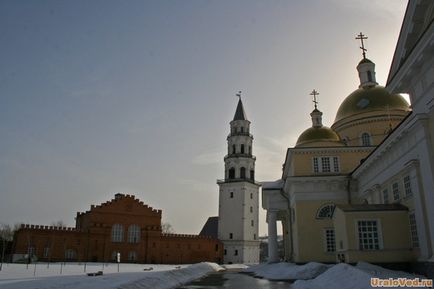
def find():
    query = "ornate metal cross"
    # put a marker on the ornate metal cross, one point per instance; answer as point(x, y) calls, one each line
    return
point(315, 101)
point(239, 94)
point(362, 37)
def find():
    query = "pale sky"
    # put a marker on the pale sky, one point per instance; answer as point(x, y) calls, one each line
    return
point(99, 97)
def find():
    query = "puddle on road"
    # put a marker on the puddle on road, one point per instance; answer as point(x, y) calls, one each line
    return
point(234, 280)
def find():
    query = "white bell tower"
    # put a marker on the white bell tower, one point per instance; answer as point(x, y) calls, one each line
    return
point(238, 195)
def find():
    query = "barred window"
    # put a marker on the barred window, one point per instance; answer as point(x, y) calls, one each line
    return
point(325, 165)
point(386, 196)
point(315, 165)
point(330, 240)
point(117, 233)
point(366, 139)
point(368, 235)
point(395, 190)
point(413, 231)
point(407, 186)
point(133, 234)
point(336, 164)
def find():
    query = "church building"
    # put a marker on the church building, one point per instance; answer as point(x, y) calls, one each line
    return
point(363, 188)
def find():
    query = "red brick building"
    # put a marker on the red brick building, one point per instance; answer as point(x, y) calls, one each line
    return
point(122, 225)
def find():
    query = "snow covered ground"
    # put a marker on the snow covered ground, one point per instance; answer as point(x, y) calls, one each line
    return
point(320, 276)
point(16, 276)
point(287, 271)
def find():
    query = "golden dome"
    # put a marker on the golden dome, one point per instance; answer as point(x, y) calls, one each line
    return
point(368, 99)
point(315, 135)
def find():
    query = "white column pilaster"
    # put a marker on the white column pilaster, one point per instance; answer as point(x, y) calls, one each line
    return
point(273, 255)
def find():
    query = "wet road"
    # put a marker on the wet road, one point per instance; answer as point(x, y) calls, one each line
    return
point(234, 280)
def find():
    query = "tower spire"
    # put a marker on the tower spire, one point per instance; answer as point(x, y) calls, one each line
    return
point(362, 37)
point(239, 113)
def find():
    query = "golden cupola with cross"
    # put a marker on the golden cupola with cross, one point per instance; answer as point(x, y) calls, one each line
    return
point(369, 113)
point(318, 135)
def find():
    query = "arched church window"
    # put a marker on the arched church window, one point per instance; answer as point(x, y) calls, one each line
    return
point(242, 129)
point(234, 149)
point(232, 195)
point(369, 75)
point(242, 148)
point(242, 172)
point(117, 233)
point(232, 173)
point(133, 234)
point(252, 175)
point(250, 150)
point(325, 211)
point(366, 139)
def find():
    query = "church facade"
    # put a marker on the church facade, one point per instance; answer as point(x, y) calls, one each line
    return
point(123, 226)
point(363, 188)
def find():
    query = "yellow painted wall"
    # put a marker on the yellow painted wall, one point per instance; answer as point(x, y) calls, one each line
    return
point(376, 123)
point(395, 232)
point(302, 162)
point(309, 233)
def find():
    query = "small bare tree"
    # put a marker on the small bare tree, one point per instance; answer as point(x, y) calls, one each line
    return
point(167, 228)
point(6, 236)
point(58, 223)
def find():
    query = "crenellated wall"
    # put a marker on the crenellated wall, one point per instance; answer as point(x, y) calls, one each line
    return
point(92, 237)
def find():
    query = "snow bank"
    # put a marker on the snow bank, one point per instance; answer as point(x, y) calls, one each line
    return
point(173, 278)
point(287, 271)
point(235, 266)
point(344, 276)
point(130, 280)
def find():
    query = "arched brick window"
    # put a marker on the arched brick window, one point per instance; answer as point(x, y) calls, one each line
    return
point(117, 233)
point(133, 234)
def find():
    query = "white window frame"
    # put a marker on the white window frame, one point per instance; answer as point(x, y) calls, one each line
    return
point(318, 165)
point(413, 230)
point(379, 232)
point(329, 245)
point(362, 139)
point(407, 186)
point(395, 193)
point(385, 193)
